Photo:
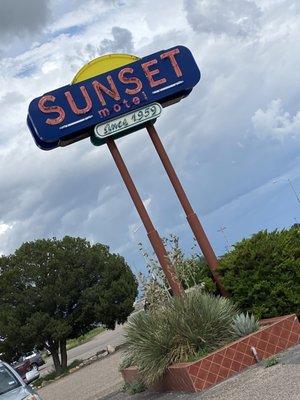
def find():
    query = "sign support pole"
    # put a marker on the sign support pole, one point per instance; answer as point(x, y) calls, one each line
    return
point(153, 235)
point(191, 216)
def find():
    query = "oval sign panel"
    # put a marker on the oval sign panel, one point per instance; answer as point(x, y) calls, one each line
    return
point(128, 123)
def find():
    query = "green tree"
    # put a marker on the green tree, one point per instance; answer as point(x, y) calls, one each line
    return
point(262, 273)
point(52, 290)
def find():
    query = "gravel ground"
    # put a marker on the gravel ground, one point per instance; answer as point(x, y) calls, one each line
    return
point(102, 381)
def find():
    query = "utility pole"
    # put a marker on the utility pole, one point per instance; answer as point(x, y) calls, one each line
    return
point(222, 231)
point(291, 186)
point(294, 190)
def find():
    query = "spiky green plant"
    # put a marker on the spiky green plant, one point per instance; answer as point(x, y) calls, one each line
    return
point(244, 324)
point(126, 361)
point(176, 332)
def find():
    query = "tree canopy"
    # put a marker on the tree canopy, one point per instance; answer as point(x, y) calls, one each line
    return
point(52, 290)
point(262, 273)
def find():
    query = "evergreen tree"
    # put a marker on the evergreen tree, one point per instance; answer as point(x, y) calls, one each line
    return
point(52, 290)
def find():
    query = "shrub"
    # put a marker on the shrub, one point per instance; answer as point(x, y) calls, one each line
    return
point(262, 273)
point(192, 272)
point(134, 387)
point(183, 328)
point(244, 324)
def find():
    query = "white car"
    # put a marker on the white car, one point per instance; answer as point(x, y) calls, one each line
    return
point(12, 387)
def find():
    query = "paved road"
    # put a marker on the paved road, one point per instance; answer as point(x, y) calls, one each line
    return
point(102, 380)
point(89, 383)
point(90, 348)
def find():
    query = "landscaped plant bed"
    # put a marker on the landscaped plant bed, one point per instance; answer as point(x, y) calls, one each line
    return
point(274, 336)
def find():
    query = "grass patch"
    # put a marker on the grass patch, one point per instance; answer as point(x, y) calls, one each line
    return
point(71, 343)
point(53, 375)
point(134, 387)
point(270, 362)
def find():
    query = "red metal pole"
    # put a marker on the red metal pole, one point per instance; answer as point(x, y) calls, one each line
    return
point(192, 218)
point(153, 235)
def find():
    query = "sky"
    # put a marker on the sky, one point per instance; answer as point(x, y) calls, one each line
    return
point(229, 140)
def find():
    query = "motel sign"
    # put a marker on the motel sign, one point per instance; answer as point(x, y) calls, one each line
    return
point(70, 113)
point(113, 96)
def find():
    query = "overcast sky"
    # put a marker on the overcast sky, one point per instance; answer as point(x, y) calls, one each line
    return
point(237, 132)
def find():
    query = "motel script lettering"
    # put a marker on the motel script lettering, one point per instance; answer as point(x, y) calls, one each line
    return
point(128, 121)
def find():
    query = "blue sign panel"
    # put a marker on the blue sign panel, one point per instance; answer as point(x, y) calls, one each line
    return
point(69, 114)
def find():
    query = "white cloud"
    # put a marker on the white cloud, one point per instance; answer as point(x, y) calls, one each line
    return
point(3, 228)
point(147, 203)
point(275, 122)
point(49, 66)
point(232, 17)
point(82, 14)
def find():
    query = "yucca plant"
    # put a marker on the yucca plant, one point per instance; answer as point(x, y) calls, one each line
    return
point(196, 323)
point(244, 324)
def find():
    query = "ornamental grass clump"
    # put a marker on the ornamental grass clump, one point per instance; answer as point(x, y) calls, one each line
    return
point(178, 331)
